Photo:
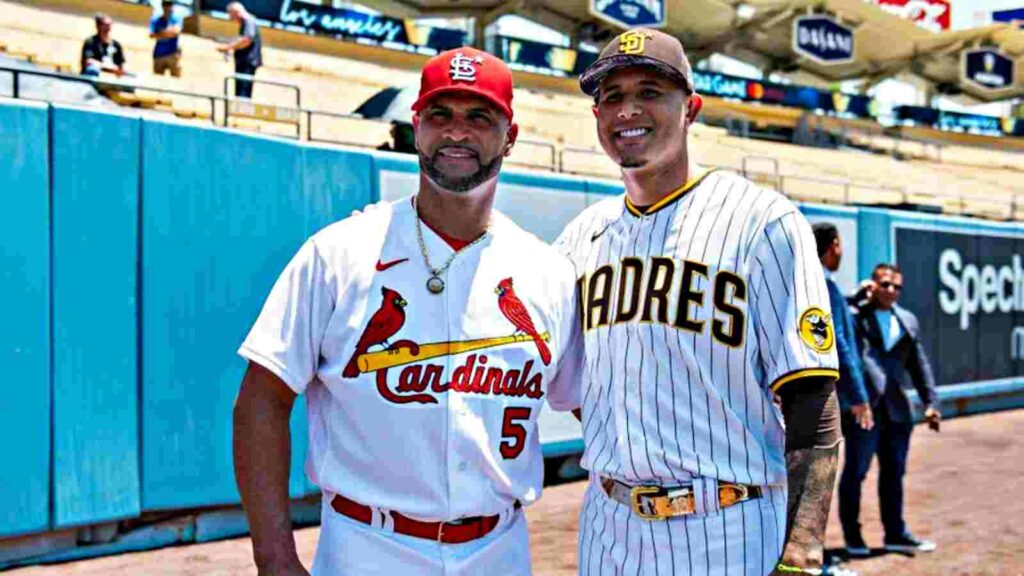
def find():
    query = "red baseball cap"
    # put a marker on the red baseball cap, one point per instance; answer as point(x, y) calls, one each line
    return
point(470, 71)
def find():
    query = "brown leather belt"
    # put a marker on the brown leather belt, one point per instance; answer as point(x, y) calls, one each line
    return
point(662, 502)
point(465, 530)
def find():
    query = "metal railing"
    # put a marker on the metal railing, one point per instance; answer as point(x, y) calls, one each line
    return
point(101, 85)
point(786, 184)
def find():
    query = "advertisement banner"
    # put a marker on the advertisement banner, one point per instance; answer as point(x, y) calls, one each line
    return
point(349, 24)
point(987, 68)
point(726, 86)
point(957, 121)
point(630, 13)
point(931, 15)
point(543, 58)
point(967, 289)
point(1014, 16)
point(822, 39)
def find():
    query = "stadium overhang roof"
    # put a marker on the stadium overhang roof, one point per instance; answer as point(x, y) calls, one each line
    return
point(760, 32)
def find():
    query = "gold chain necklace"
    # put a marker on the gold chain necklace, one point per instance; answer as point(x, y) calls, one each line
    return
point(434, 284)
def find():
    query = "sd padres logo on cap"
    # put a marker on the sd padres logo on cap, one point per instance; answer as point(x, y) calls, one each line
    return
point(464, 68)
point(632, 42)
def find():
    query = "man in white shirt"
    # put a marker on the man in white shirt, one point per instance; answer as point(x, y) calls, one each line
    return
point(426, 335)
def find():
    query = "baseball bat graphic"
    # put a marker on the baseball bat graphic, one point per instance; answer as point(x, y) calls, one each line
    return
point(373, 361)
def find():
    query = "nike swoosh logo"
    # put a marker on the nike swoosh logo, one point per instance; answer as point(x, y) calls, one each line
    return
point(598, 234)
point(382, 266)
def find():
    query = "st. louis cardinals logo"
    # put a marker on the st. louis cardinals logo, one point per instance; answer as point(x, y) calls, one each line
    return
point(420, 381)
point(464, 68)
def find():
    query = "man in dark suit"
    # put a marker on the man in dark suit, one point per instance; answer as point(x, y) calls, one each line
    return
point(891, 349)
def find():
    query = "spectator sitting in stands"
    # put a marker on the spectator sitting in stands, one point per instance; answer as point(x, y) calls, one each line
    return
point(101, 53)
point(165, 29)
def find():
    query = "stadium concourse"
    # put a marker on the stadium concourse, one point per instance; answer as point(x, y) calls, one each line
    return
point(955, 173)
point(951, 499)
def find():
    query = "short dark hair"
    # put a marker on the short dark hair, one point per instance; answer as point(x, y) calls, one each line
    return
point(102, 17)
point(885, 267)
point(825, 234)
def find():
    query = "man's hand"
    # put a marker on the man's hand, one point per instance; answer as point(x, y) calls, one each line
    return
point(933, 417)
point(863, 416)
point(223, 48)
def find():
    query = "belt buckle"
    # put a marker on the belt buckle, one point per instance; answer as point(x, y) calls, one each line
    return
point(729, 494)
point(634, 495)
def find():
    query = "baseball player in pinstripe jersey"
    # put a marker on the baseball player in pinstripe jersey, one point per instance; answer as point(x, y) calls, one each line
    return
point(701, 299)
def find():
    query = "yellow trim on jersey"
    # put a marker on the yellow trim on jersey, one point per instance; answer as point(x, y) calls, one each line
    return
point(805, 373)
point(672, 197)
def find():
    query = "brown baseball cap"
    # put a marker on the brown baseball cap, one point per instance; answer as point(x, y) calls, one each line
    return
point(640, 47)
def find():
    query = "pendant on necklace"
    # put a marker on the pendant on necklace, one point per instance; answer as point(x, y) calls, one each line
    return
point(435, 285)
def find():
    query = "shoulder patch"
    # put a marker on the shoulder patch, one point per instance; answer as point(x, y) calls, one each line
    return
point(816, 330)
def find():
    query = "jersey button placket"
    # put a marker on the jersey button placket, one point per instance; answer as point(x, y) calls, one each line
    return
point(454, 403)
point(626, 342)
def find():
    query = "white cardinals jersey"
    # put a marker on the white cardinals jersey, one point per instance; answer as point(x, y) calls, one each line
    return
point(694, 311)
point(423, 403)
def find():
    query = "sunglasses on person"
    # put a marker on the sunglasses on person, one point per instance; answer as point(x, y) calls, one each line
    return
point(891, 286)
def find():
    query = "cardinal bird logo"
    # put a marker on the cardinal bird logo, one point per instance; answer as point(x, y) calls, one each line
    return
point(384, 324)
point(512, 307)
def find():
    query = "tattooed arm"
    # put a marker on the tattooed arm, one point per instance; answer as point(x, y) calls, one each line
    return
point(811, 412)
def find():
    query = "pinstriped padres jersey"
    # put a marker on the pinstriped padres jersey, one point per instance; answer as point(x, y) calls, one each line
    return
point(693, 311)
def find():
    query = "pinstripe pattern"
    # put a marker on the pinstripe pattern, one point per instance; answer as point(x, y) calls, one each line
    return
point(679, 386)
point(616, 542)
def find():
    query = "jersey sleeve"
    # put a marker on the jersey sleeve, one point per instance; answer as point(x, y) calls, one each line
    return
point(564, 390)
point(119, 58)
point(88, 52)
point(287, 334)
point(566, 243)
point(249, 28)
point(791, 314)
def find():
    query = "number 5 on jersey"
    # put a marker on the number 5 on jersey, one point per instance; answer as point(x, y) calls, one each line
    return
point(513, 431)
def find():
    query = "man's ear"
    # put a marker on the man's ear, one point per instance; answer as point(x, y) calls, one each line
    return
point(693, 107)
point(594, 110)
point(416, 121)
point(510, 137)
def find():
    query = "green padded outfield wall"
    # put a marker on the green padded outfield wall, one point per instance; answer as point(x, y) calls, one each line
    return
point(25, 318)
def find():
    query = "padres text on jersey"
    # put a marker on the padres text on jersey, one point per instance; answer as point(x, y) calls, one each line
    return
point(694, 310)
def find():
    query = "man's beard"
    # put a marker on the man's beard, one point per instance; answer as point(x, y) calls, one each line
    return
point(632, 163)
point(458, 184)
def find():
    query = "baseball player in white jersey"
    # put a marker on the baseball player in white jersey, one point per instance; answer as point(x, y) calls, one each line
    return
point(426, 334)
point(701, 298)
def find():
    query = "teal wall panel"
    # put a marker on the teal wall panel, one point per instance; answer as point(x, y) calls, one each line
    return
point(334, 183)
point(25, 310)
point(166, 238)
point(874, 233)
point(222, 214)
point(95, 404)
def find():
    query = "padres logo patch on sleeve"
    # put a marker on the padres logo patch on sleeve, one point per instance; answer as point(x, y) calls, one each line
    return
point(816, 329)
